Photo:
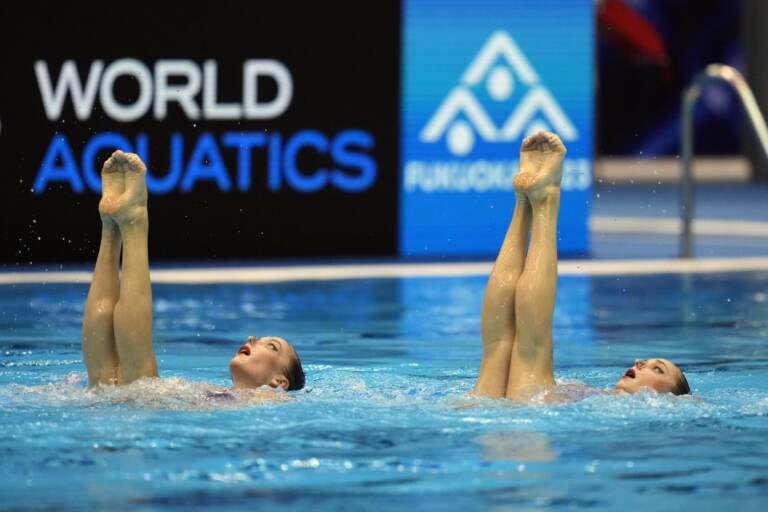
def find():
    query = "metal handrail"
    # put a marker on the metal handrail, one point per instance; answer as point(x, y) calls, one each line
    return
point(691, 94)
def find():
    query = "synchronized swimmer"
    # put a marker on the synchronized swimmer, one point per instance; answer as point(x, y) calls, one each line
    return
point(516, 321)
point(519, 301)
point(117, 322)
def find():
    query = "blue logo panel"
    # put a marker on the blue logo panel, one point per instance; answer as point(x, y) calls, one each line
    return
point(478, 76)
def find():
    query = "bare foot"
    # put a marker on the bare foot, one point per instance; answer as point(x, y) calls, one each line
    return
point(124, 199)
point(112, 187)
point(541, 165)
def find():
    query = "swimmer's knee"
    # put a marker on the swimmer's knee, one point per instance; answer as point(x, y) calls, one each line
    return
point(102, 307)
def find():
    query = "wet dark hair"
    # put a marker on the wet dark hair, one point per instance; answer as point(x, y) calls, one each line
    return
point(681, 385)
point(295, 373)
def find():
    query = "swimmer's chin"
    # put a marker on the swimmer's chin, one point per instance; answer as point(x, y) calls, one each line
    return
point(239, 377)
point(624, 387)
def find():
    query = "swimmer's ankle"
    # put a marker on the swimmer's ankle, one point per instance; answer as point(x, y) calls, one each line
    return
point(109, 227)
point(547, 194)
point(133, 219)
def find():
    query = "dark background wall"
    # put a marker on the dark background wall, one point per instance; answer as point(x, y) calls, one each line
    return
point(647, 52)
point(322, 178)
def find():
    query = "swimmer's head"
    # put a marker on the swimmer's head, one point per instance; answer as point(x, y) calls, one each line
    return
point(660, 375)
point(267, 361)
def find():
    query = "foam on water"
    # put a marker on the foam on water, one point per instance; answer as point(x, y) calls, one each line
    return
point(170, 393)
point(577, 403)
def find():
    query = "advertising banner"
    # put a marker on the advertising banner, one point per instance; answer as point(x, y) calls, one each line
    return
point(269, 129)
point(477, 78)
point(291, 129)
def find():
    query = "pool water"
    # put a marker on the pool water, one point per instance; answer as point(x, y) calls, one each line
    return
point(384, 422)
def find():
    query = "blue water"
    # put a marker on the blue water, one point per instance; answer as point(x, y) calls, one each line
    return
point(384, 422)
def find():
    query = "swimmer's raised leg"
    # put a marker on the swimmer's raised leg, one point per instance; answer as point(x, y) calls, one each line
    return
point(498, 317)
point(133, 312)
point(99, 349)
point(541, 157)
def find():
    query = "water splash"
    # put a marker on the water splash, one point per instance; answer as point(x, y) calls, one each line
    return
point(170, 393)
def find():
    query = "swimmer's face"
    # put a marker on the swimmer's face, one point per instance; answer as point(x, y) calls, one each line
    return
point(660, 375)
point(262, 362)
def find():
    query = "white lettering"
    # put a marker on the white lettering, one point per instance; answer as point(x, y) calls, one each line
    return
point(184, 94)
point(69, 81)
point(157, 91)
point(211, 108)
point(115, 109)
point(281, 75)
point(483, 175)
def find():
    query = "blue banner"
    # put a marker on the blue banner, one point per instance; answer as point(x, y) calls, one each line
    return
point(478, 76)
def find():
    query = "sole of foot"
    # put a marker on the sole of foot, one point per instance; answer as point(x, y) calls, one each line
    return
point(124, 189)
point(541, 165)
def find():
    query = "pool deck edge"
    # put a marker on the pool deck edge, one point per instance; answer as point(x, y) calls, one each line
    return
point(394, 270)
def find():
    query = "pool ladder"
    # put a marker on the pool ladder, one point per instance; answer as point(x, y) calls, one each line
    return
point(690, 95)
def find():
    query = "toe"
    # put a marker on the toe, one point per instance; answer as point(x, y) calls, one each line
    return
point(556, 143)
point(534, 142)
point(119, 157)
point(526, 143)
point(135, 162)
